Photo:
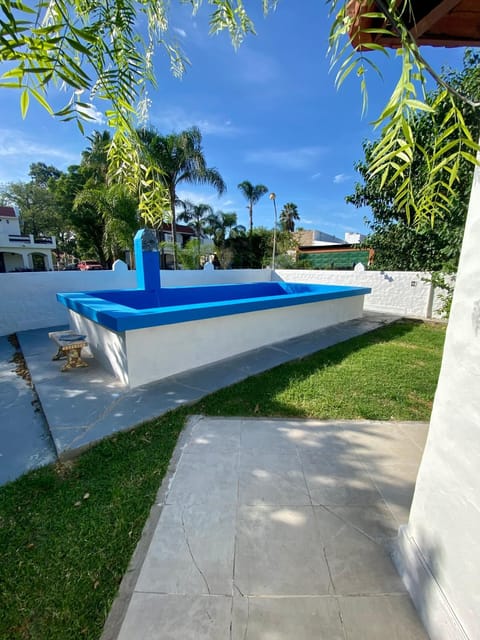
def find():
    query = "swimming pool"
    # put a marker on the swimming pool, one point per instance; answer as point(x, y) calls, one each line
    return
point(142, 336)
point(153, 332)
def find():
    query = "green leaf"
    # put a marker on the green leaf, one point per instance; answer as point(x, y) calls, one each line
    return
point(41, 100)
point(24, 102)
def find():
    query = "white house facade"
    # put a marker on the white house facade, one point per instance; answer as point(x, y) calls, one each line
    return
point(22, 252)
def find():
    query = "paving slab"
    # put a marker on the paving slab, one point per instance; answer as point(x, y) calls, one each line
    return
point(83, 406)
point(280, 529)
point(25, 442)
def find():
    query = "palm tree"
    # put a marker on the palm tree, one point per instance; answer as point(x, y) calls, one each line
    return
point(114, 210)
point(180, 158)
point(95, 157)
point(288, 216)
point(198, 216)
point(253, 195)
point(220, 224)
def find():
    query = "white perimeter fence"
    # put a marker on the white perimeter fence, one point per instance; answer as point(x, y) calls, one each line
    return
point(27, 300)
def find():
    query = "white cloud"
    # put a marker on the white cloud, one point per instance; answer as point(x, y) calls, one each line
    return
point(179, 120)
point(204, 197)
point(94, 115)
point(341, 177)
point(181, 32)
point(317, 175)
point(15, 143)
point(297, 159)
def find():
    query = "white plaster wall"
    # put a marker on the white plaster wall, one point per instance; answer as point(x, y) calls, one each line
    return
point(439, 555)
point(107, 346)
point(27, 300)
point(407, 293)
point(158, 352)
point(217, 276)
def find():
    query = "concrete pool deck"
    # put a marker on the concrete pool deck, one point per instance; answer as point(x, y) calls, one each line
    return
point(83, 406)
point(277, 529)
point(262, 528)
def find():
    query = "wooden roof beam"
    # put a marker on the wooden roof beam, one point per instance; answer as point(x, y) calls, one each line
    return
point(428, 21)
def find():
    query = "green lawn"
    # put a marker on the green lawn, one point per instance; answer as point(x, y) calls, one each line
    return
point(68, 531)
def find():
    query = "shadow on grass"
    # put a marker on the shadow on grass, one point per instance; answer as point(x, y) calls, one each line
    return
point(67, 531)
point(338, 382)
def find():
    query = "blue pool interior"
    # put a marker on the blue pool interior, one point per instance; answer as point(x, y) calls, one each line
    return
point(128, 309)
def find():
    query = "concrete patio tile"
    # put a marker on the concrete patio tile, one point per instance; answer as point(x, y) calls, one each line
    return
point(204, 478)
point(172, 617)
point(192, 551)
point(65, 439)
point(396, 484)
point(278, 552)
point(319, 439)
point(380, 617)
point(262, 359)
point(67, 404)
point(304, 346)
point(212, 377)
point(271, 479)
point(219, 435)
point(374, 522)
point(356, 550)
point(382, 443)
point(266, 435)
point(416, 431)
point(339, 484)
point(25, 443)
point(286, 618)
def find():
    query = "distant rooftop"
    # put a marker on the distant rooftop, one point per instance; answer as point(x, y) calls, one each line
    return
point(7, 212)
point(314, 238)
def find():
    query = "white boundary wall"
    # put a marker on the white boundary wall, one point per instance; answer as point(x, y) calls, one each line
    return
point(27, 300)
point(407, 293)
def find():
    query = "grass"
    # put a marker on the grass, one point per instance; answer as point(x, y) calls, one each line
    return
point(67, 531)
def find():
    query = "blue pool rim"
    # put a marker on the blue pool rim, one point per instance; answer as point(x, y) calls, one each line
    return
point(121, 317)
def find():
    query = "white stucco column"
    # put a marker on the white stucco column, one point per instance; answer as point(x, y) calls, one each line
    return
point(48, 260)
point(27, 260)
point(439, 550)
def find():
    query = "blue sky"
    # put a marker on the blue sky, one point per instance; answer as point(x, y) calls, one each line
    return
point(269, 113)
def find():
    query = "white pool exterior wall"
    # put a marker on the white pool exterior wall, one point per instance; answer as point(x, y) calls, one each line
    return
point(140, 356)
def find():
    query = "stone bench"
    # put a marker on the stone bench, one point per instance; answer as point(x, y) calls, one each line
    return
point(70, 345)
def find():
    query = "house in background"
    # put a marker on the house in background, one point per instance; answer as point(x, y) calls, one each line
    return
point(318, 250)
point(352, 237)
point(19, 252)
point(314, 238)
point(184, 233)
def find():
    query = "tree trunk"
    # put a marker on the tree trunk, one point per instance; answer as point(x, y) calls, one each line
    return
point(174, 226)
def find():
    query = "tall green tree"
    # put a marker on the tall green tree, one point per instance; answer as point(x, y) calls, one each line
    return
point(36, 206)
point(425, 246)
point(288, 216)
point(223, 227)
point(95, 163)
point(115, 211)
point(181, 159)
point(197, 216)
point(105, 51)
point(252, 194)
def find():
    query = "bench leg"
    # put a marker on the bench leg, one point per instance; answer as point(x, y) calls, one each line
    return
point(60, 354)
point(74, 361)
